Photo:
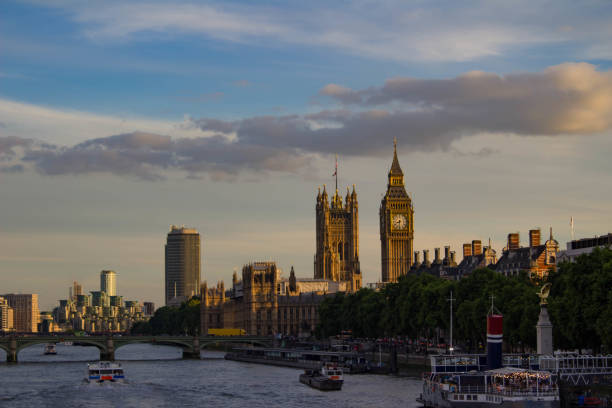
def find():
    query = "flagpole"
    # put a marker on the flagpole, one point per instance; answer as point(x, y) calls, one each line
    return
point(336, 173)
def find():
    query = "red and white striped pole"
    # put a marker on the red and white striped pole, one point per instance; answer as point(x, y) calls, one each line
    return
point(495, 323)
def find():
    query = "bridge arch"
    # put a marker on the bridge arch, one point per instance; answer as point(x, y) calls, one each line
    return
point(23, 344)
point(144, 350)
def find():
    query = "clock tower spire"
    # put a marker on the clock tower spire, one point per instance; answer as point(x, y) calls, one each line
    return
point(396, 224)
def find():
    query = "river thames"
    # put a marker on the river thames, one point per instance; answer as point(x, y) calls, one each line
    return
point(157, 377)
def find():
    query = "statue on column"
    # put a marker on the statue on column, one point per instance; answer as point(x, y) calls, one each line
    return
point(544, 326)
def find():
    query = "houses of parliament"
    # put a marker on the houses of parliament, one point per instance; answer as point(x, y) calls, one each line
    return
point(263, 302)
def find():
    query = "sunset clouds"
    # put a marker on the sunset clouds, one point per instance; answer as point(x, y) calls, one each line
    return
point(425, 114)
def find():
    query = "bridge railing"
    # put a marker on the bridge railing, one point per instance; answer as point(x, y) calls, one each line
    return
point(579, 364)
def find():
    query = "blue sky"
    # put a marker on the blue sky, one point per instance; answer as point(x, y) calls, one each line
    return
point(110, 109)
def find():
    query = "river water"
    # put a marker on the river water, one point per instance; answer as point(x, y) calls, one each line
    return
point(157, 377)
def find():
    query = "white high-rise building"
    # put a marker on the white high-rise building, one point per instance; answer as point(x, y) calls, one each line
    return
point(108, 282)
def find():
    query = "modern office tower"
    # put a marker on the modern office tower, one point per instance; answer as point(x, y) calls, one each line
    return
point(108, 282)
point(26, 314)
point(6, 316)
point(182, 264)
point(148, 308)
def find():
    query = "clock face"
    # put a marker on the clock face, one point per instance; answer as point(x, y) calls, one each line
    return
point(399, 221)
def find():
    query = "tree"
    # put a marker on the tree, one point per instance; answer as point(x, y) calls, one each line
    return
point(177, 320)
point(581, 301)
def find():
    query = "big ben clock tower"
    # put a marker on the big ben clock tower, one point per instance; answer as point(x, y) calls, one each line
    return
point(396, 225)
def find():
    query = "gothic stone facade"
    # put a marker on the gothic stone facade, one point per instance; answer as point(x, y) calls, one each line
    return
point(337, 246)
point(262, 303)
point(396, 226)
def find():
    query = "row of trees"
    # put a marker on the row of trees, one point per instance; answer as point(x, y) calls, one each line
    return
point(417, 305)
point(183, 320)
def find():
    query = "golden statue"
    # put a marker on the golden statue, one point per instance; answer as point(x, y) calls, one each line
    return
point(544, 293)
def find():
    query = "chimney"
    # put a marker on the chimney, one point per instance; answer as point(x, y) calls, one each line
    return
point(467, 250)
point(452, 255)
point(534, 237)
point(477, 247)
point(437, 260)
point(416, 258)
point(513, 241)
point(447, 253)
point(426, 257)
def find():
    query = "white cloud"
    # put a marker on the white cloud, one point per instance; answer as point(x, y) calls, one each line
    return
point(395, 31)
point(63, 126)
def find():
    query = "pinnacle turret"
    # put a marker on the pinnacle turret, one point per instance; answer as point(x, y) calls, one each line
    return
point(396, 170)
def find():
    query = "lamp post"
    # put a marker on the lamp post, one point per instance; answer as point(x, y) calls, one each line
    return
point(451, 300)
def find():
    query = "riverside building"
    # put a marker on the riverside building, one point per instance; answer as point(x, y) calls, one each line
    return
point(6, 316)
point(182, 271)
point(582, 246)
point(537, 259)
point(25, 311)
point(265, 303)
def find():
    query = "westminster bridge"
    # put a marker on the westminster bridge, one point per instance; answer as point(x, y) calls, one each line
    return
point(107, 345)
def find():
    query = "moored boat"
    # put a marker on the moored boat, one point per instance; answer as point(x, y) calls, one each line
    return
point(467, 381)
point(50, 349)
point(327, 378)
point(502, 387)
point(105, 371)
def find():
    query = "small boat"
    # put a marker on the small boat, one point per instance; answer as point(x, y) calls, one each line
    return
point(104, 371)
point(50, 349)
point(327, 378)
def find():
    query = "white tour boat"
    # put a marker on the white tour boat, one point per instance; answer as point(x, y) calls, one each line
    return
point(105, 371)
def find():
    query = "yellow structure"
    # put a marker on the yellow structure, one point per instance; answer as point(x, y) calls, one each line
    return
point(226, 332)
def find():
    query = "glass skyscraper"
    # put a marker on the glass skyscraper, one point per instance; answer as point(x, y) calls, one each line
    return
point(108, 282)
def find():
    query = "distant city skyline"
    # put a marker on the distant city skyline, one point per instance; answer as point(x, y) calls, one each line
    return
point(118, 119)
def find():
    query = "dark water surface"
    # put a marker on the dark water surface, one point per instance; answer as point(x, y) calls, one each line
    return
point(158, 378)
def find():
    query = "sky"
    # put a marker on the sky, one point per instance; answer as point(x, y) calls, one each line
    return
point(120, 118)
